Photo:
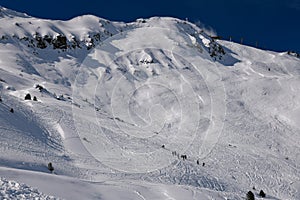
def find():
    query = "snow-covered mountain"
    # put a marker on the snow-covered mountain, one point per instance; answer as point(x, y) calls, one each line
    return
point(116, 107)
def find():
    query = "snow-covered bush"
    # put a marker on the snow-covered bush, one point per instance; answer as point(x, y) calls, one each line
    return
point(11, 88)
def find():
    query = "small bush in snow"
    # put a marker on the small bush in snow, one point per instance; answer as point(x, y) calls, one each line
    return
point(39, 87)
point(250, 196)
point(50, 167)
point(34, 98)
point(262, 193)
point(28, 97)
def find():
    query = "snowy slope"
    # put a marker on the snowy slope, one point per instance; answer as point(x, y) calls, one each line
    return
point(14, 190)
point(118, 104)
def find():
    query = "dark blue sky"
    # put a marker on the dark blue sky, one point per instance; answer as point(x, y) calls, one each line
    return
point(274, 24)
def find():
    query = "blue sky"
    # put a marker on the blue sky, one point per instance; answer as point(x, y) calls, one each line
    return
point(274, 24)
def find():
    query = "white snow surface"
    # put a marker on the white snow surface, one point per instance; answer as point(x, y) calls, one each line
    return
point(15, 190)
point(115, 115)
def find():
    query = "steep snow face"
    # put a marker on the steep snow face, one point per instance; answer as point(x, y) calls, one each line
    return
point(125, 103)
point(157, 93)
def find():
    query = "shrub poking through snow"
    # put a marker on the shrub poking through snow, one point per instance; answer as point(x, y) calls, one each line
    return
point(39, 87)
point(50, 167)
point(250, 196)
point(28, 97)
point(262, 193)
point(34, 98)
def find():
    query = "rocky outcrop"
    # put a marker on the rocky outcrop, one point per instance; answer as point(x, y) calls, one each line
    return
point(60, 42)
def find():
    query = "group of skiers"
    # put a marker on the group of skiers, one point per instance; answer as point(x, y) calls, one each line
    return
point(183, 156)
